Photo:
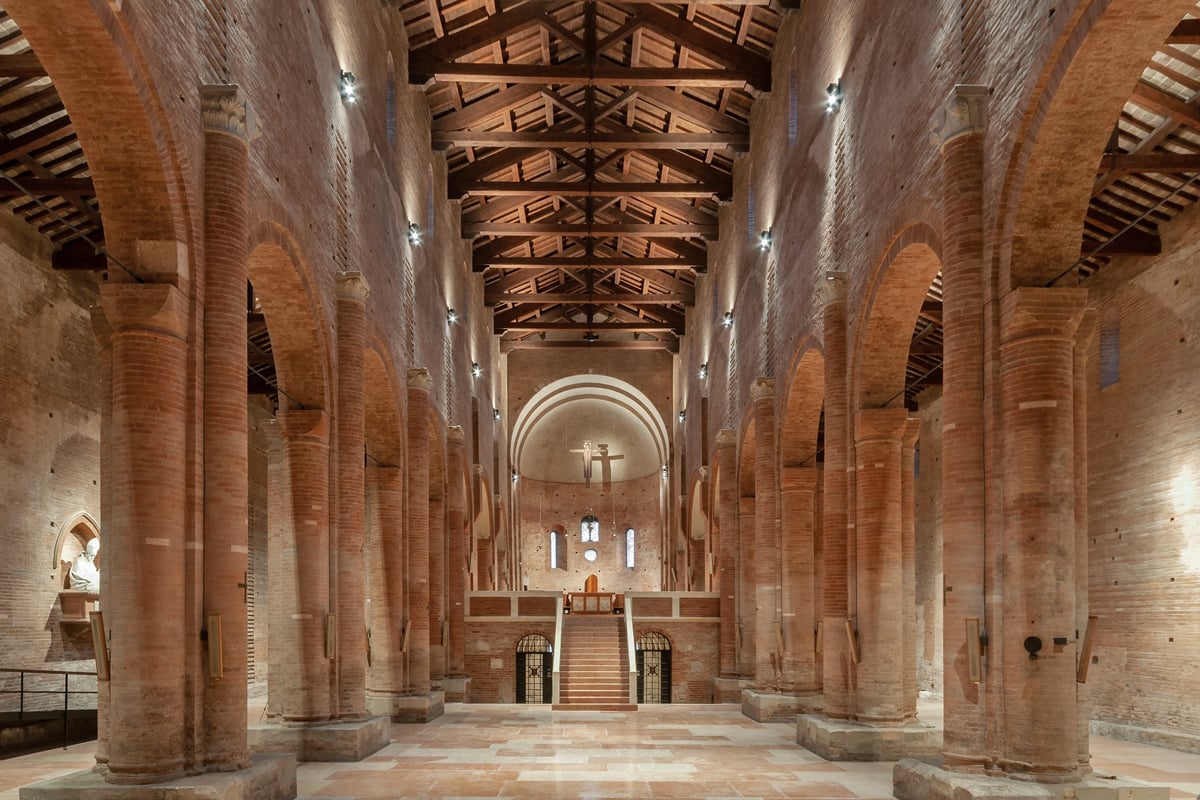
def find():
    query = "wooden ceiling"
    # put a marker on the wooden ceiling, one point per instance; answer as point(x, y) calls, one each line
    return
point(590, 143)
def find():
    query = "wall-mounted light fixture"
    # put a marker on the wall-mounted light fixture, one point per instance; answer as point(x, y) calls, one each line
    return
point(496, 414)
point(727, 320)
point(476, 370)
point(451, 316)
point(833, 96)
point(765, 240)
point(515, 476)
point(703, 372)
point(682, 416)
point(346, 83)
point(414, 233)
point(665, 471)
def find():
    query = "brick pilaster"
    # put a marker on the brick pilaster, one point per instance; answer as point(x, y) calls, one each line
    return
point(796, 497)
point(226, 490)
point(485, 562)
point(144, 530)
point(103, 333)
point(304, 602)
point(417, 531)
point(352, 292)
point(438, 645)
point(456, 549)
point(1083, 338)
point(836, 659)
point(768, 661)
point(727, 519)
point(908, 563)
point(1037, 366)
point(385, 560)
point(278, 524)
point(747, 574)
point(878, 436)
point(963, 486)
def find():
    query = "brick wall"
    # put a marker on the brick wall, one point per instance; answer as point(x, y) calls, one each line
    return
point(492, 655)
point(693, 655)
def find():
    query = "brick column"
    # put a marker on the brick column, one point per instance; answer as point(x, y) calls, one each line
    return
point(727, 513)
point(226, 491)
point(796, 496)
point(103, 333)
point(485, 562)
point(278, 595)
point(144, 530)
point(352, 292)
point(438, 645)
point(768, 663)
point(456, 524)
point(385, 560)
point(417, 532)
point(908, 565)
point(747, 580)
point(878, 434)
point(1037, 365)
point(696, 565)
point(963, 504)
point(1083, 338)
point(836, 659)
point(305, 606)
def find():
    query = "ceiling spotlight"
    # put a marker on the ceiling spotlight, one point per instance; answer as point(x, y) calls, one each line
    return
point(347, 81)
point(727, 320)
point(495, 413)
point(451, 316)
point(682, 416)
point(764, 240)
point(703, 373)
point(414, 233)
point(833, 95)
point(476, 370)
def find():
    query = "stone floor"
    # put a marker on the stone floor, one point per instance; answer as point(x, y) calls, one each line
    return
point(667, 752)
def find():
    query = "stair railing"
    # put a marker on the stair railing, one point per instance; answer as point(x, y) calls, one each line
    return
point(556, 692)
point(629, 653)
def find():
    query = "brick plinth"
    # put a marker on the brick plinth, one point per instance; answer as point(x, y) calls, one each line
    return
point(385, 560)
point(727, 537)
point(226, 488)
point(841, 740)
point(768, 660)
point(417, 533)
point(879, 437)
point(352, 292)
point(304, 672)
point(797, 496)
point(343, 740)
point(836, 660)
point(456, 551)
point(144, 541)
point(1040, 738)
point(917, 780)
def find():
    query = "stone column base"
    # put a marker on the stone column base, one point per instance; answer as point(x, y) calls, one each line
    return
point(327, 741)
point(916, 780)
point(269, 777)
point(408, 707)
point(729, 690)
point(763, 706)
point(840, 740)
point(458, 690)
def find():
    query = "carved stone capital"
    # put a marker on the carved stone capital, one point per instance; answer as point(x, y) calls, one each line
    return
point(763, 389)
point(454, 433)
point(726, 438)
point(833, 288)
point(418, 378)
point(965, 112)
point(703, 474)
point(352, 286)
point(224, 110)
point(477, 470)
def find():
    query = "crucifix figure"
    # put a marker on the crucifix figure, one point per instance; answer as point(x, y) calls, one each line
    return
point(588, 453)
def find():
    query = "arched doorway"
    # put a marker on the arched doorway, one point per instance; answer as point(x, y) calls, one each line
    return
point(535, 676)
point(653, 668)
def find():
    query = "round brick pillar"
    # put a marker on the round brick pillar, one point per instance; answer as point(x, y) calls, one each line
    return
point(768, 662)
point(835, 594)
point(438, 644)
point(963, 487)
point(485, 562)
point(417, 533)
point(144, 582)
point(278, 595)
point(226, 488)
point(352, 292)
point(727, 542)
point(1037, 365)
point(305, 605)
point(747, 578)
point(385, 560)
point(457, 533)
point(879, 437)
point(796, 496)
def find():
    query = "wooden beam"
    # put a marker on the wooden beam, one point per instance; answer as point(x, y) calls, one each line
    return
point(692, 110)
point(1120, 164)
point(486, 166)
point(473, 229)
point(1186, 32)
point(571, 325)
point(508, 345)
point(599, 139)
point(474, 37)
point(574, 262)
point(1154, 99)
point(690, 165)
point(46, 187)
point(574, 74)
point(21, 65)
point(31, 140)
point(1132, 242)
point(483, 110)
point(552, 298)
point(592, 188)
point(733, 56)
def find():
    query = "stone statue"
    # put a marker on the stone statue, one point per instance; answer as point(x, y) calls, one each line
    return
point(83, 574)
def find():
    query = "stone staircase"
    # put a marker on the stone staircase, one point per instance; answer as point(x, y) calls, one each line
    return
point(595, 664)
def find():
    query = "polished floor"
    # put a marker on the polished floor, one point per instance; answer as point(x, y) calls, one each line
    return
point(668, 752)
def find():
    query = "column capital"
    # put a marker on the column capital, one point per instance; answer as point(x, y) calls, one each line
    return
point(702, 474)
point(833, 288)
point(145, 307)
point(352, 286)
point(419, 378)
point(912, 432)
point(304, 424)
point(1030, 312)
point(963, 113)
point(763, 389)
point(880, 423)
point(726, 438)
point(454, 433)
point(224, 110)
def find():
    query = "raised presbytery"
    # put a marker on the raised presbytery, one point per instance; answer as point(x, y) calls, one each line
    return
point(825, 365)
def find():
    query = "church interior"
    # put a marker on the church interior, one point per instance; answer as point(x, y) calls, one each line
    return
point(753, 378)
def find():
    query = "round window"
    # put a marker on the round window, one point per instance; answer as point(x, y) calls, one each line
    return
point(589, 554)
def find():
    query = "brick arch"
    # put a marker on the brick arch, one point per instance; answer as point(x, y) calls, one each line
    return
point(900, 285)
point(115, 111)
point(384, 420)
point(804, 401)
point(1096, 62)
point(294, 318)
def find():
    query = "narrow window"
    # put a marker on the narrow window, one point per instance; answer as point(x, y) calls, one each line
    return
point(554, 550)
point(630, 540)
point(793, 102)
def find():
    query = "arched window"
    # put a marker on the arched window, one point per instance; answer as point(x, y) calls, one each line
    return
point(589, 529)
point(653, 668)
point(630, 547)
point(534, 672)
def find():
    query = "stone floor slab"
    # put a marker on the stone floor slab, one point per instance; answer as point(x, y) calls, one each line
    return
point(269, 777)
